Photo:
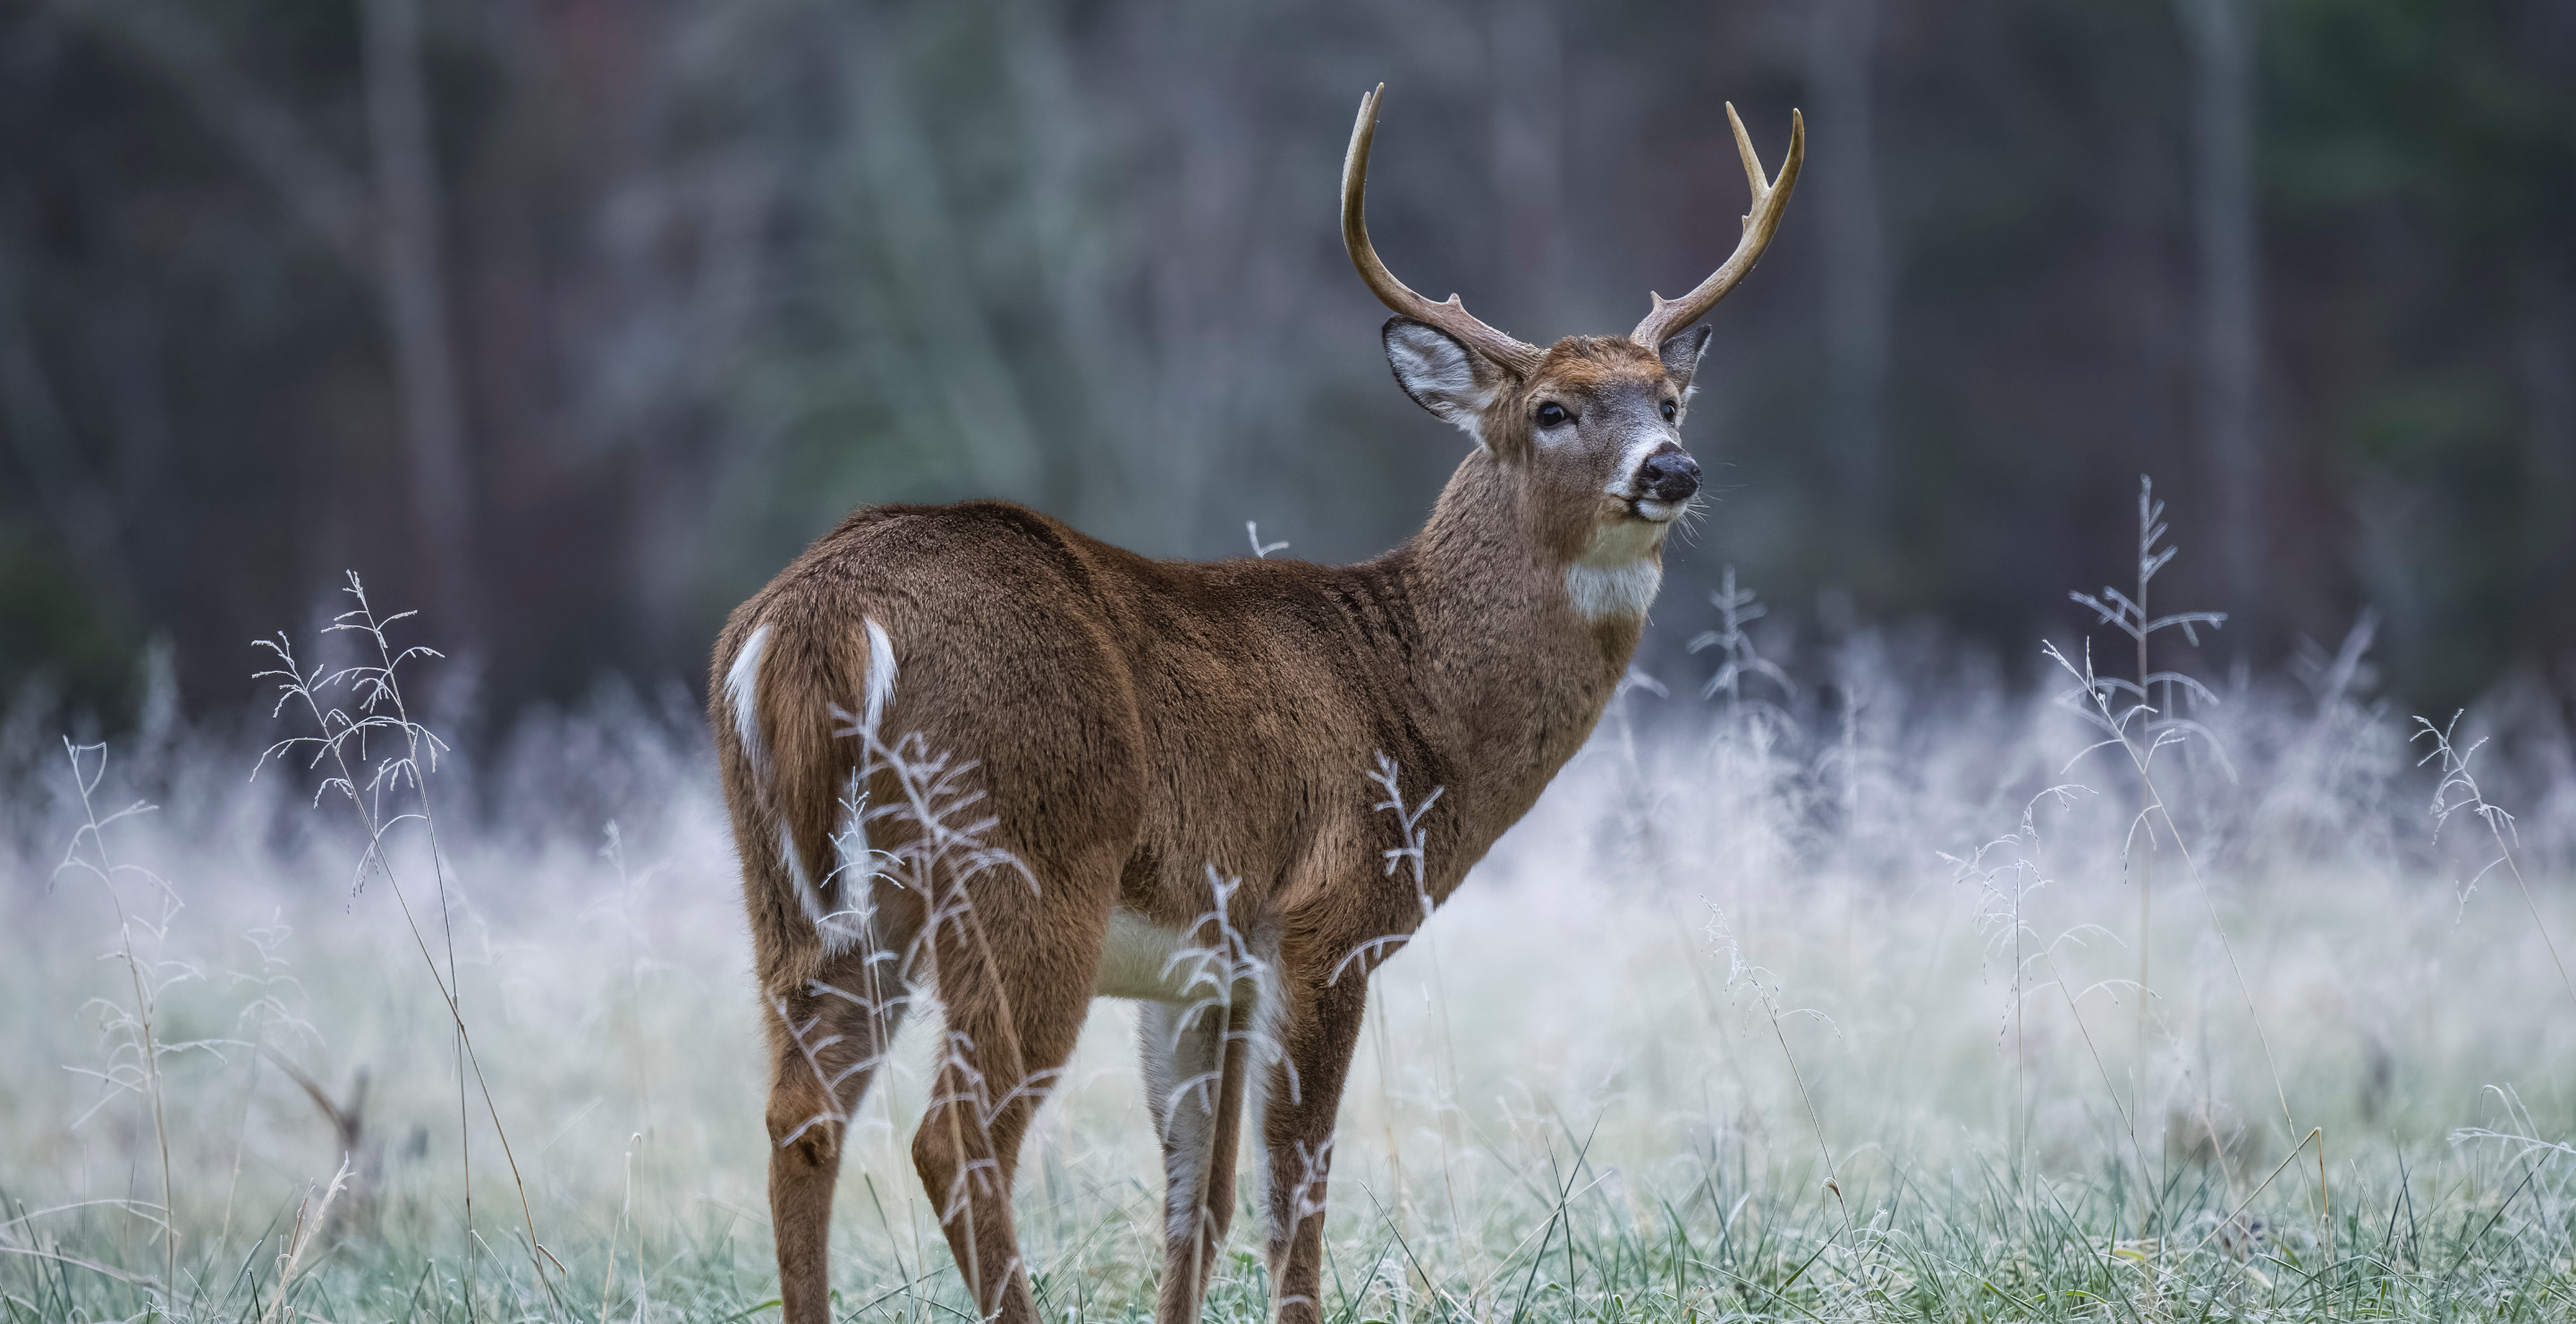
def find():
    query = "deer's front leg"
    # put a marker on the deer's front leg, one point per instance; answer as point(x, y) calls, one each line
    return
point(1301, 1097)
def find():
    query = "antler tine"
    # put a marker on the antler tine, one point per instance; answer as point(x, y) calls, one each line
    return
point(1451, 316)
point(1770, 198)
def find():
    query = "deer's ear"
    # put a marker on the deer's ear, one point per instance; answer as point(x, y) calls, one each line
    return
point(1441, 374)
point(1681, 356)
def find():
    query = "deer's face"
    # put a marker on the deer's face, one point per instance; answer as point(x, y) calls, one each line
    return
point(1591, 434)
point(1590, 428)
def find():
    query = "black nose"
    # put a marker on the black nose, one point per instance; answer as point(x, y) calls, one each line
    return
point(1669, 476)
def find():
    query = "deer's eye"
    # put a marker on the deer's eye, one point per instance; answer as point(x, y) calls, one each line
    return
point(1670, 409)
point(1552, 414)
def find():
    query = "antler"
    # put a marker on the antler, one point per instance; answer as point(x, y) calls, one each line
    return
point(1770, 198)
point(1452, 316)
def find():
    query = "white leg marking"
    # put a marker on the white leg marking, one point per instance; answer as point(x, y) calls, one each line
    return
point(1269, 1025)
point(1183, 1051)
point(742, 694)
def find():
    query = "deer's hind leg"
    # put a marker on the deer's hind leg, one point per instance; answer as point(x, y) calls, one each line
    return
point(827, 1039)
point(1015, 967)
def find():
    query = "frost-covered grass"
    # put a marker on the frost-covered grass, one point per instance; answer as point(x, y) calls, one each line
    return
point(1870, 996)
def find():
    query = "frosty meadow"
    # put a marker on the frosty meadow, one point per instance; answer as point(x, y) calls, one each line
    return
point(1851, 975)
point(1811, 1000)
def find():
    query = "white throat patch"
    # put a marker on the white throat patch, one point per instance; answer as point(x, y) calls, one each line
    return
point(1618, 574)
point(1600, 594)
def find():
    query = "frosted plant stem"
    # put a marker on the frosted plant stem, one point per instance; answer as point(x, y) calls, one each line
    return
point(2536, 922)
point(2013, 1120)
point(2156, 806)
point(95, 829)
point(2108, 1086)
point(297, 686)
point(2314, 1133)
point(2325, 1194)
point(2456, 775)
point(1409, 856)
point(308, 1228)
point(1833, 1178)
point(2218, 926)
point(2147, 567)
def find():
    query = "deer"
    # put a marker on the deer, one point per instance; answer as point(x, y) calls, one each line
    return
point(974, 757)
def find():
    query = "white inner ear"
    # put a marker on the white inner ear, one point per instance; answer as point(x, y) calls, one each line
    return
point(1438, 374)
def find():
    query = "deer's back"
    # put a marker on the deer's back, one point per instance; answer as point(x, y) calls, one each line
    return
point(1224, 713)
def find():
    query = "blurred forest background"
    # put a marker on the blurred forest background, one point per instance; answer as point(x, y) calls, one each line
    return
point(570, 321)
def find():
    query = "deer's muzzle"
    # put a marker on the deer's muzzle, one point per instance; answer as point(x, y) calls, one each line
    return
point(1669, 476)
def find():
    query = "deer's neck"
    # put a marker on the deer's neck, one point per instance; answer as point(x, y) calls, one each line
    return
point(1515, 673)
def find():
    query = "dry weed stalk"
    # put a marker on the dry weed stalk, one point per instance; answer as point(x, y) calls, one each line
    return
point(2459, 791)
point(2141, 745)
point(309, 1220)
point(380, 709)
point(131, 1031)
point(1742, 974)
point(2160, 724)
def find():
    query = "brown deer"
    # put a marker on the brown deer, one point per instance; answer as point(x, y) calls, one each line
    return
point(971, 751)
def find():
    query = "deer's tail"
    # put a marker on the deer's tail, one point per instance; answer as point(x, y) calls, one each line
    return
point(804, 704)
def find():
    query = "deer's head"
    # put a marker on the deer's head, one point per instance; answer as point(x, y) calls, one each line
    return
point(1588, 429)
